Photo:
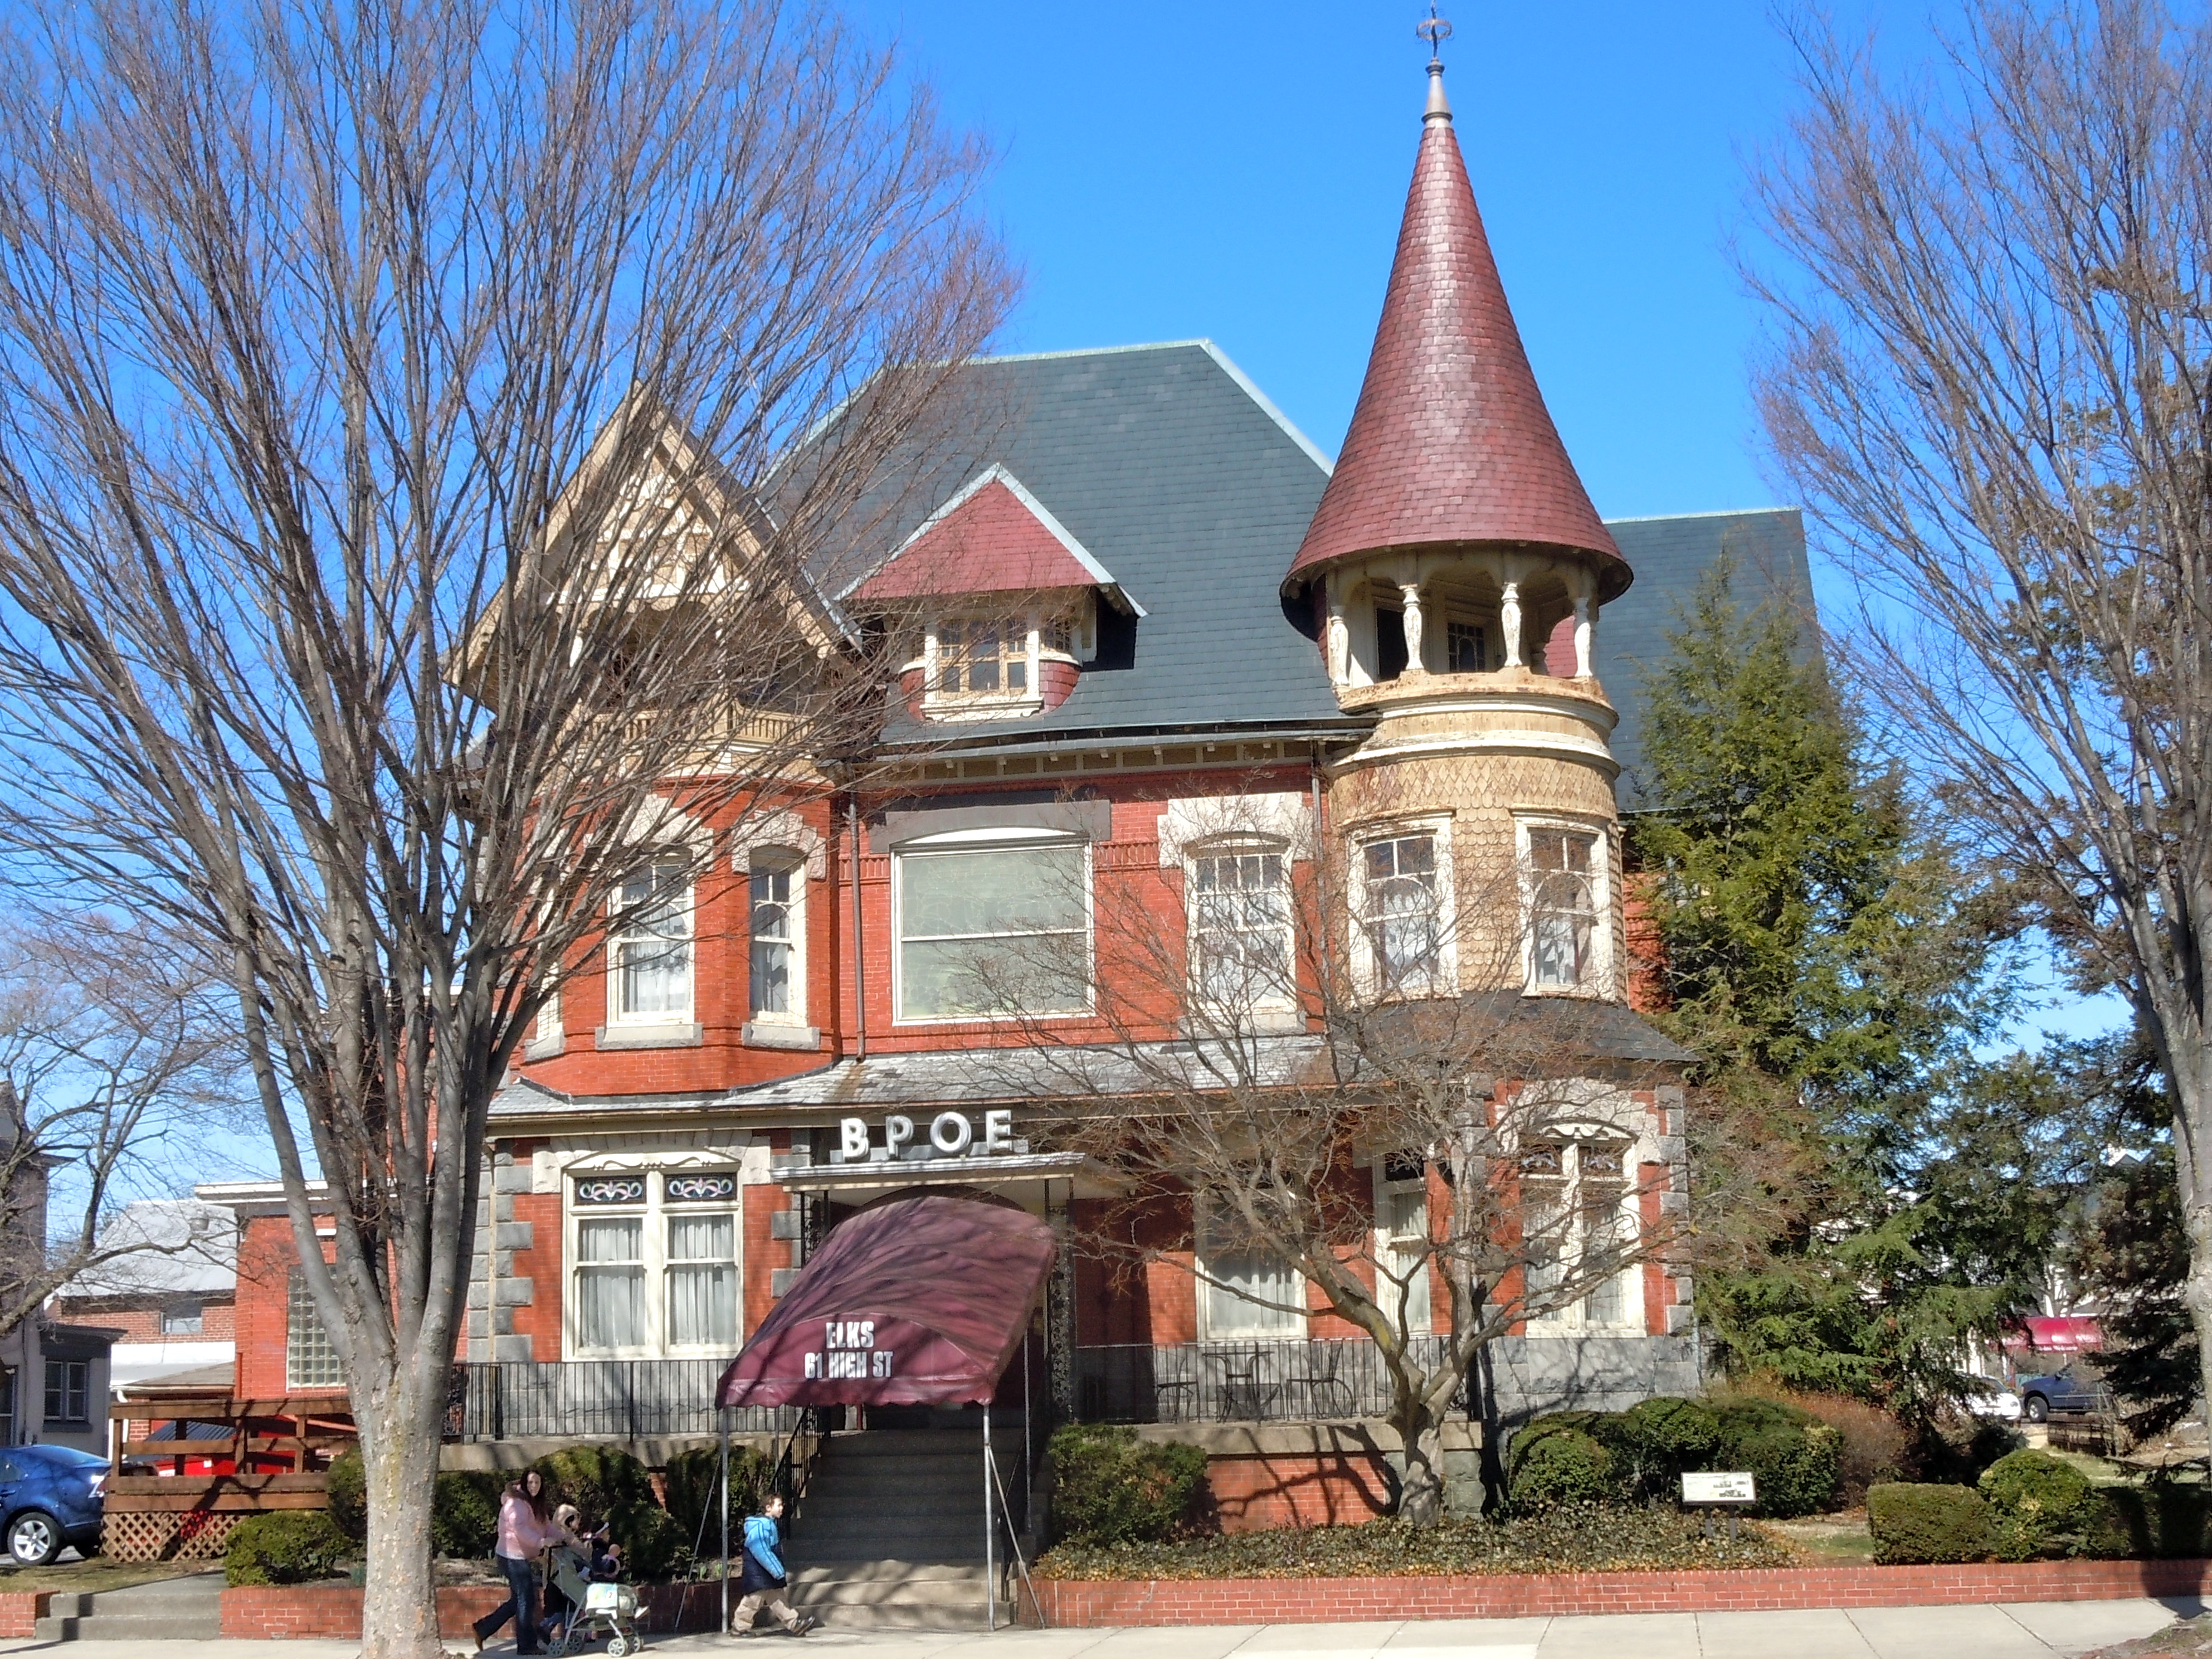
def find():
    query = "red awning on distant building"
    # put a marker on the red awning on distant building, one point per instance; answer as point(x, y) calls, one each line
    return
point(2046, 1334)
point(918, 1302)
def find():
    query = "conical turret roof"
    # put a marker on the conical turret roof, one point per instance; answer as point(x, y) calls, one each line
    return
point(1450, 442)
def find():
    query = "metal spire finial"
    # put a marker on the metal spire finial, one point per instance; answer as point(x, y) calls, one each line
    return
point(1435, 31)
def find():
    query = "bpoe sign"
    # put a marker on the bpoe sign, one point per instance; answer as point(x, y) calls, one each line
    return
point(848, 1353)
point(949, 1134)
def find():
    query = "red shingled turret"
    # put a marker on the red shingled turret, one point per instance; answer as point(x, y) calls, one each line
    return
point(1450, 442)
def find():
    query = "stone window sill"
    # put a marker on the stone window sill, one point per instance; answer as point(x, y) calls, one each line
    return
point(648, 1036)
point(545, 1048)
point(762, 1033)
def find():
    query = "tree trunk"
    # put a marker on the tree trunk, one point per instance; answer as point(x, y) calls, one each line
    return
point(1421, 1494)
point(399, 1463)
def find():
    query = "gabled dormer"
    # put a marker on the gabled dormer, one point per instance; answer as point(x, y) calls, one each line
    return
point(998, 603)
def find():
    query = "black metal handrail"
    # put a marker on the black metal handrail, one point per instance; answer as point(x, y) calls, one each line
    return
point(597, 1400)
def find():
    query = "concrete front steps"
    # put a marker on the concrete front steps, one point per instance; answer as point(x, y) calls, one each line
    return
point(890, 1534)
point(166, 1610)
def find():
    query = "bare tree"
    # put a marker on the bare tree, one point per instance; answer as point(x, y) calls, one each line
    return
point(114, 1054)
point(1991, 380)
point(1252, 1074)
point(400, 592)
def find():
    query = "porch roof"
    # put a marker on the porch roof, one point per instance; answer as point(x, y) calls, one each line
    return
point(912, 1302)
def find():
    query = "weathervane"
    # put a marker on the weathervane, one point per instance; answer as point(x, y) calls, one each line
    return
point(1435, 31)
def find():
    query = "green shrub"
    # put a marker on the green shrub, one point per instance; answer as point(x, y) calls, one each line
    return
point(287, 1546)
point(1110, 1487)
point(693, 1503)
point(1561, 1466)
point(464, 1514)
point(1923, 1525)
point(2040, 1506)
point(611, 1487)
point(347, 1488)
point(1655, 1440)
point(1795, 1458)
point(2163, 1520)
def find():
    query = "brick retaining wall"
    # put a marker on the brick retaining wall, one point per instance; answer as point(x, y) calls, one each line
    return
point(334, 1610)
point(1302, 1601)
point(20, 1611)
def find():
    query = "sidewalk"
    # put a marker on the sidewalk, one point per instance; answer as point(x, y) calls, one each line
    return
point(2034, 1631)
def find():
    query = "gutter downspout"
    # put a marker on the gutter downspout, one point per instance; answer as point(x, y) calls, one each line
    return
point(860, 976)
point(1321, 865)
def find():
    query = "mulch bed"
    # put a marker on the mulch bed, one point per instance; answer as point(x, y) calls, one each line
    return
point(2189, 1637)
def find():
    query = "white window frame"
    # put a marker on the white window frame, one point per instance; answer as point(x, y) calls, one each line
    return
point(1285, 997)
point(790, 862)
point(1420, 1295)
point(1573, 1319)
point(686, 909)
point(1367, 972)
point(977, 841)
point(653, 1210)
point(1599, 980)
point(1263, 1323)
point(1035, 626)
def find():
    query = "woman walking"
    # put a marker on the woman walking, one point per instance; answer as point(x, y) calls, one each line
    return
point(524, 1531)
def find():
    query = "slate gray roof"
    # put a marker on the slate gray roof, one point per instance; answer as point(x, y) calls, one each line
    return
point(1045, 1073)
point(1176, 473)
point(1670, 557)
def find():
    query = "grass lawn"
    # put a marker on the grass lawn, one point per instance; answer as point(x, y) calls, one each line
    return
point(1828, 1541)
point(97, 1574)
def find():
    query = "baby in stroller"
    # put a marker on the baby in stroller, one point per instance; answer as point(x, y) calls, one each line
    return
point(583, 1572)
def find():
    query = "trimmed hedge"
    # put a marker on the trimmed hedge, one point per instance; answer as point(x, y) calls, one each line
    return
point(1110, 1488)
point(2161, 1522)
point(1795, 1458)
point(2040, 1508)
point(287, 1547)
point(464, 1507)
point(692, 1487)
point(1921, 1526)
point(1561, 1466)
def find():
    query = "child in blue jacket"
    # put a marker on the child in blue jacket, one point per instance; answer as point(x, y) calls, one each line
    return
point(765, 1578)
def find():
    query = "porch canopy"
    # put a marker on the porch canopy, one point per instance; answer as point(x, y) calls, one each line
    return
point(914, 1302)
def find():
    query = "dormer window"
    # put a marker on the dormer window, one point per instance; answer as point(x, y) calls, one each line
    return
point(984, 657)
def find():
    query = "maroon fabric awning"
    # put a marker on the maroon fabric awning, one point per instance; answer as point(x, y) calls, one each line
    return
point(918, 1302)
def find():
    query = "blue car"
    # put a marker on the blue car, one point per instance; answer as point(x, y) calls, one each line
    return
point(50, 1496)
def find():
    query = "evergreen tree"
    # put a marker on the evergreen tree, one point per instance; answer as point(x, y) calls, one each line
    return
point(1832, 962)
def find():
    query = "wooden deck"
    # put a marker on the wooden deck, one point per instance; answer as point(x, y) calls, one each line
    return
point(277, 1451)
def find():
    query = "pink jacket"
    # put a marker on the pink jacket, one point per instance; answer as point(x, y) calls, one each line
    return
point(521, 1534)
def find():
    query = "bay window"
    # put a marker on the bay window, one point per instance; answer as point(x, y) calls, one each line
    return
point(993, 925)
point(1402, 933)
point(1562, 871)
point(652, 947)
point(1577, 1233)
point(654, 1264)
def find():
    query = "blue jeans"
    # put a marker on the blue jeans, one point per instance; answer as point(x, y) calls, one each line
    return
point(521, 1606)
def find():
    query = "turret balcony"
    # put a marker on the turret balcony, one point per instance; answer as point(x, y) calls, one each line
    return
point(1506, 711)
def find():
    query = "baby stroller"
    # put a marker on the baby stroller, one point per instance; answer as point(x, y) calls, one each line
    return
point(609, 1610)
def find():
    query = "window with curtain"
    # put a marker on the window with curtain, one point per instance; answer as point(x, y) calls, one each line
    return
point(611, 1282)
point(776, 885)
point(1401, 1226)
point(310, 1361)
point(1562, 908)
point(1402, 911)
point(1577, 1229)
point(652, 945)
point(1240, 928)
point(654, 1264)
point(703, 1280)
point(1245, 1289)
point(993, 929)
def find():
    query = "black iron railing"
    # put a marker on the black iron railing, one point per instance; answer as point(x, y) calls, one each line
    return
point(597, 1400)
point(1238, 1381)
